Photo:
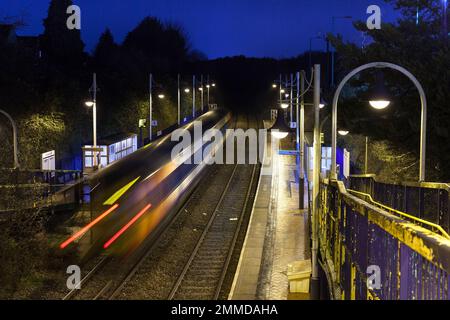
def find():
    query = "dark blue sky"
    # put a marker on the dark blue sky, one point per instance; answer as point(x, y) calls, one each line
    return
point(259, 28)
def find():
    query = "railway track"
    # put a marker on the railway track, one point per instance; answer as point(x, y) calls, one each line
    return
point(203, 274)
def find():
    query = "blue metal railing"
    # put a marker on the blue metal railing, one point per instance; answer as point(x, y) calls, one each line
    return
point(427, 201)
point(413, 262)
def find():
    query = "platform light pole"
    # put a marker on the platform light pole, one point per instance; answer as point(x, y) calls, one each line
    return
point(301, 135)
point(366, 156)
point(208, 86)
point(93, 104)
point(179, 101)
point(15, 147)
point(202, 90)
point(150, 112)
point(315, 294)
point(423, 122)
point(444, 19)
point(291, 97)
point(193, 97)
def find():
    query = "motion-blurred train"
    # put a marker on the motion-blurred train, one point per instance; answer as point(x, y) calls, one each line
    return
point(135, 197)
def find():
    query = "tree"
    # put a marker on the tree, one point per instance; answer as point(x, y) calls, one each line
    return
point(106, 52)
point(421, 50)
point(61, 46)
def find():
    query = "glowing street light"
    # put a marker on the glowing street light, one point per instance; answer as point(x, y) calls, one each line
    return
point(284, 106)
point(322, 103)
point(343, 132)
point(187, 90)
point(161, 96)
point(379, 96)
point(380, 104)
point(274, 86)
point(89, 104)
point(279, 130)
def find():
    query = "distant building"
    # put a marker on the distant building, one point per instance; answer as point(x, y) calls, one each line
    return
point(8, 34)
point(114, 147)
point(32, 44)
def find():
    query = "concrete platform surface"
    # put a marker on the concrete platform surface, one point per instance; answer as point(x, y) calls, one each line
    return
point(277, 235)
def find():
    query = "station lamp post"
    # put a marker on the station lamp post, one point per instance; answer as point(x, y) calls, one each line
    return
point(381, 102)
point(193, 96)
point(179, 101)
point(202, 93)
point(160, 96)
point(93, 104)
point(209, 87)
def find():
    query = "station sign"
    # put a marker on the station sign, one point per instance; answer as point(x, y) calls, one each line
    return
point(142, 123)
point(48, 160)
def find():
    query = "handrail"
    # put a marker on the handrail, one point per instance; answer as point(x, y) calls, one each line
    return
point(427, 185)
point(403, 214)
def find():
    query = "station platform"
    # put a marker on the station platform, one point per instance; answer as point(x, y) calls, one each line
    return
point(277, 234)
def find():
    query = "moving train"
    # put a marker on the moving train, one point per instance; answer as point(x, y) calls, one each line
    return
point(132, 199)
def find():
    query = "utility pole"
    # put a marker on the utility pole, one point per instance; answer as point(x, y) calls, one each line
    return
point(302, 138)
point(94, 117)
point(315, 287)
point(15, 148)
point(179, 101)
point(202, 91)
point(281, 88)
point(291, 96)
point(193, 97)
point(208, 86)
point(150, 125)
point(444, 19)
point(366, 156)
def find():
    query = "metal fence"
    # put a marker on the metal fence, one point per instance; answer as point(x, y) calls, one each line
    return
point(413, 262)
point(427, 201)
point(27, 189)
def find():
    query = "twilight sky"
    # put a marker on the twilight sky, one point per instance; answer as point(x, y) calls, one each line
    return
point(259, 28)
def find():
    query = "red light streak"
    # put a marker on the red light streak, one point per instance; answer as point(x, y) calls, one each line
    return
point(124, 228)
point(88, 226)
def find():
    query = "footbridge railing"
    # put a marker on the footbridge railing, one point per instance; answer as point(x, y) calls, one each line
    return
point(425, 200)
point(370, 253)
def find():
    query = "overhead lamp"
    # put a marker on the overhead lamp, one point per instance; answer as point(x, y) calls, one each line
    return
point(379, 96)
point(279, 130)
